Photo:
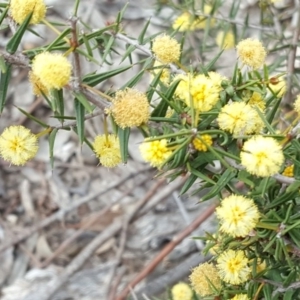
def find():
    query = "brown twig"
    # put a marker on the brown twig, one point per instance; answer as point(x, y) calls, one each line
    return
point(176, 240)
point(61, 213)
point(48, 290)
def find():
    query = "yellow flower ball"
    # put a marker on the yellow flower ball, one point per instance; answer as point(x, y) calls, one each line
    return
point(288, 171)
point(200, 89)
point(217, 80)
point(18, 145)
point(262, 156)
point(130, 108)
point(52, 69)
point(201, 143)
point(225, 40)
point(260, 265)
point(183, 22)
point(107, 149)
point(297, 104)
point(181, 291)
point(239, 118)
point(164, 72)
point(37, 87)
point(205, 279)
point(238, 215)
point(240, 297)
point(20, 9)
point(278, 86)
point(251, 53)
point(256, 100)
point(189, 22)
point(233, 267)
point(155, 152)
point(166, 49)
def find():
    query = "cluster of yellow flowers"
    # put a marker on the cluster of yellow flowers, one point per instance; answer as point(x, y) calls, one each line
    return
point(166, 49)
point(18, 145)
point(189, 22)
point(20, 9)
point(107, 149)
point(202, 143)
point(50, 71)
point(130, 108)
point(225, 40)
point(200, 91)
point(182, 291)
point(239, 118)
point(155, 152)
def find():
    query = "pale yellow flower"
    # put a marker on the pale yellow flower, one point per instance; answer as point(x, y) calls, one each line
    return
point(107, 149)
point(278, 86)
point(163, 70)
point(238, 215)
point(240, 297)
point(189, 22)
point(256, 100)
point(233, 267)
point(37, 87)
point(260, 265)
point(288, 171)
point(181, 291)
point(217, 80)
point(239, 118)
point(166, 49)
point(251, 53)
point(201, 143)
point(262, 156)
point(205, 279)
point(20, 9)
point(18, 145)
point(155, 152)
point(52, 69)
point(225, 40)
point(199, 89)
point(130, 108)
point(297, 104)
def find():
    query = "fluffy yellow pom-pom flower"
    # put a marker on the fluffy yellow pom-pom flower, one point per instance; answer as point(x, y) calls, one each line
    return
point(130, 108)
point(166, 49)
point(262, 156)
point(37, 87)
point(288, 171)
point(155, 152)
point(107, 149)
point(225, 40)
point(205, 279)
point(52, 69)
point(201, 144)
point(187, 21)
point(203, 91)
point(256, 100)
point(278, 86)
point(239, 118)
point(233, 267)
point(181, 291)
point(297, 104)
point(18, 145)
point(20, 9)
point(252, 53)
point(240, 297)
point(164, 72)
point(238, 215)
